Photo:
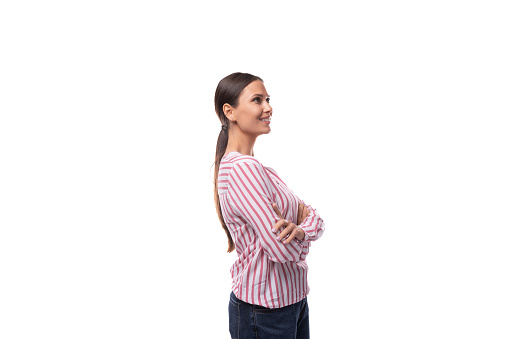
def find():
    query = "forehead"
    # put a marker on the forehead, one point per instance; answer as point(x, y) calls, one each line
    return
point(256, 87)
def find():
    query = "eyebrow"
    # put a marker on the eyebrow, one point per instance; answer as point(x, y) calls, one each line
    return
point(259, 95)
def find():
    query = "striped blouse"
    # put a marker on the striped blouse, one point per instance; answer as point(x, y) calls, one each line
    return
point(267, 272)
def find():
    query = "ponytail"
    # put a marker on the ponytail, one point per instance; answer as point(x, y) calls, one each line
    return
point(222, 142)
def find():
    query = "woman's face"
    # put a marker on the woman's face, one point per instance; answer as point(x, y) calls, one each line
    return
point(253, 112)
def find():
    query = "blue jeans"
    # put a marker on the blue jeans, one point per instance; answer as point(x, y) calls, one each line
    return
point(253, 321)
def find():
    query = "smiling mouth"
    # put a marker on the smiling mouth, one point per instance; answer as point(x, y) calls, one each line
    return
point(266, 120)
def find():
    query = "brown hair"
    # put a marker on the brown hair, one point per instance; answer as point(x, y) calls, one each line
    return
point(227, 92)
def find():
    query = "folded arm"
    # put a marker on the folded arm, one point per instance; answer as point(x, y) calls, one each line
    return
point(251, 198)
point(309, 226)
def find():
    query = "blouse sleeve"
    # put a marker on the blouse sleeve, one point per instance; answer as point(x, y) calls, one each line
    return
point(312, 225)
point(251, 194)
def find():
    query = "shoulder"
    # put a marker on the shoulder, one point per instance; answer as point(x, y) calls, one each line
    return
point(271, 170)
point(238, 160)
point(237, 165)
point(249, 168)
point(248, 174)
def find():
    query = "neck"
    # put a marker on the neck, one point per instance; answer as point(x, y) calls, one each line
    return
point(240, 142)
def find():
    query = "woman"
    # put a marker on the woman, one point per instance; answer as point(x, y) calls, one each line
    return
point(268, 225)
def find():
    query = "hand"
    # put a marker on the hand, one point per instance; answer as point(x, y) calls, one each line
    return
point(302, 213)
point(291, 230)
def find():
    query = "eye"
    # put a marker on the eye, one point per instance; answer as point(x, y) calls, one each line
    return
point(268, 99)
point(257, 99)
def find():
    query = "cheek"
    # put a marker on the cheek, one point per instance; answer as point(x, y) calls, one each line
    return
point(249, 119)
point(249, 123)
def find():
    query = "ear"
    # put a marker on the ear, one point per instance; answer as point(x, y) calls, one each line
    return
point(228, 112)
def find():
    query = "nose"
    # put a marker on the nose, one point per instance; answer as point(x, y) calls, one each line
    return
point(267, 108)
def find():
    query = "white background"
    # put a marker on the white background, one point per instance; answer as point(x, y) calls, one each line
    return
point(390, 118)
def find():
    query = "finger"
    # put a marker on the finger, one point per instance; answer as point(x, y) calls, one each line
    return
point(274, 206)
point(286, 231)
point(291, 236)
point(278, 224)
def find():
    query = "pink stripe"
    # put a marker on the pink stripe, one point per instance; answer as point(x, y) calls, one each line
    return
point(286, 288)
